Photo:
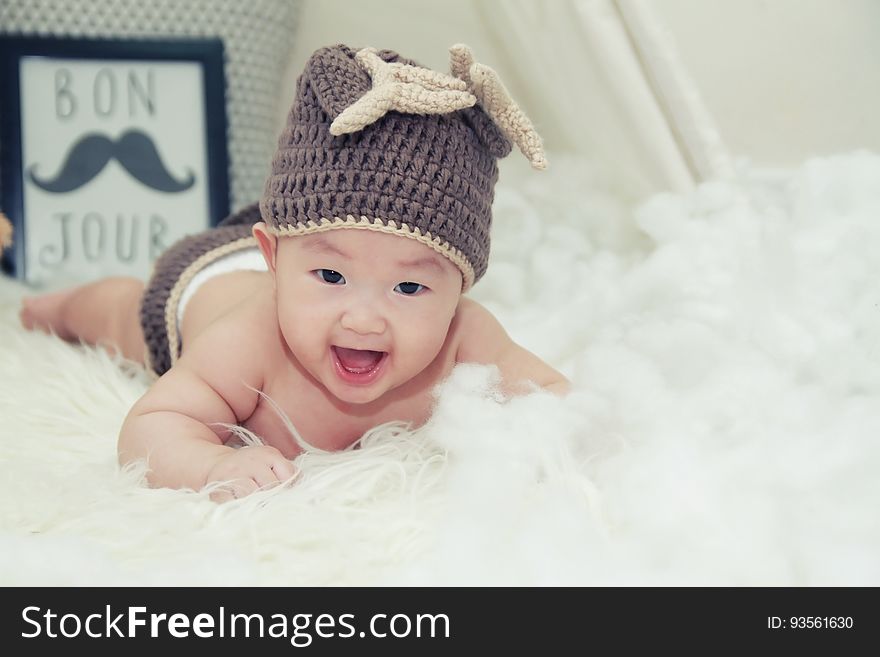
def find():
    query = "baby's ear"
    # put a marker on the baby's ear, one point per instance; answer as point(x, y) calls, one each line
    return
point(267, 242)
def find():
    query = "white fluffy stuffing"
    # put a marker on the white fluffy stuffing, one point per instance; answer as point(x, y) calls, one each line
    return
point(724, 428)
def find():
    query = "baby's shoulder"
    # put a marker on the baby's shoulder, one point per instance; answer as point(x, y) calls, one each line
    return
point(477, 331)
point(468, 313)
point(475, 316)
point(245, 338)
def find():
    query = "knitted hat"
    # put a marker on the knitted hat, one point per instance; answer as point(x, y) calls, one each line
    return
point(373, 141)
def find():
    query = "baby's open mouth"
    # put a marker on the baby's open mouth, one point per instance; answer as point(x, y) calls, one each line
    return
point(358, 365)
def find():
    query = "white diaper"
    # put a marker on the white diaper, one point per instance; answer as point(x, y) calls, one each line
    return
point(244, 260)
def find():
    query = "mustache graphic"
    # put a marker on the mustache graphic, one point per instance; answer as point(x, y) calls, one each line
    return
point(134, 150)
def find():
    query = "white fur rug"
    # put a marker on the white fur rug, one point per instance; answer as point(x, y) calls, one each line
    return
point(725, 427)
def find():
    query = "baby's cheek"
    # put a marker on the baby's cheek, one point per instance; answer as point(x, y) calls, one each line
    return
point(300, 340)
point(424, 343)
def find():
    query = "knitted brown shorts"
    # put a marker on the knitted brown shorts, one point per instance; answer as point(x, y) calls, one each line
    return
point(174, 270)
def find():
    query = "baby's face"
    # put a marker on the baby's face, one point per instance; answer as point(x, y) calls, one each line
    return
point(362, 311)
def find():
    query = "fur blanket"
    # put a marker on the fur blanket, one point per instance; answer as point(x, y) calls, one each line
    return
point(724, 428)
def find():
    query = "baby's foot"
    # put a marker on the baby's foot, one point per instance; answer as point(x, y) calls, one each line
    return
point(45, 312)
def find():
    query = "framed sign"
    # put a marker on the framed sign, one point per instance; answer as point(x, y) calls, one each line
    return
point(110, 151)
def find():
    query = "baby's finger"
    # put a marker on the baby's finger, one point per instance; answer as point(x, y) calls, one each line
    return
point(235, 490)
point(283, 468)
point(222, 494)
point(265, 477)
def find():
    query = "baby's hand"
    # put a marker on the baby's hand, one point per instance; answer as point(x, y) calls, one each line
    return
point(248, 469)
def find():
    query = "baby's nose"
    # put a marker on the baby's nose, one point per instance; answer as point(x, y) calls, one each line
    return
point(363, 319)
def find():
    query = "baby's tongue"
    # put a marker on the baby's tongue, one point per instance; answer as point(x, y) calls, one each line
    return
point(358, 360)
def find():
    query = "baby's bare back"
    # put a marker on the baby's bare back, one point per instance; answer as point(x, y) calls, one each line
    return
point(230, 333)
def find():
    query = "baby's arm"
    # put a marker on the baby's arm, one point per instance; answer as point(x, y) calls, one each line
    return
point(484, 340)
point(171, 425)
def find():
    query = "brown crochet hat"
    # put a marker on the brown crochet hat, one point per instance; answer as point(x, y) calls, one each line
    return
point(373, 141)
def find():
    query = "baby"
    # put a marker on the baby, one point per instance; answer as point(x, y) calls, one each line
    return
point(339, 297)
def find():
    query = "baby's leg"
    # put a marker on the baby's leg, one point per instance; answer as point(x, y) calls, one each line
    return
point(104, 313)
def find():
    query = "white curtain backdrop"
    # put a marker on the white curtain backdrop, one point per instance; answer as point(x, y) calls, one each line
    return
point(606, 82)
point(697, 136)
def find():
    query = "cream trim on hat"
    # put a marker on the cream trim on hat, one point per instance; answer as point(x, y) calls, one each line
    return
point(380, 225)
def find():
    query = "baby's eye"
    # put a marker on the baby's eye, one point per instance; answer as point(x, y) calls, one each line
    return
point(330, 276)
point(408, 288)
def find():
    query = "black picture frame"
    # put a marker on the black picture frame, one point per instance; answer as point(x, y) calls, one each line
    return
point(207, 52)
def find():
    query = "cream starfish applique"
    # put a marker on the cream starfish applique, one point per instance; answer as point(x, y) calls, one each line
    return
point(402, 88)
point(416, 90)
point(495, 100)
